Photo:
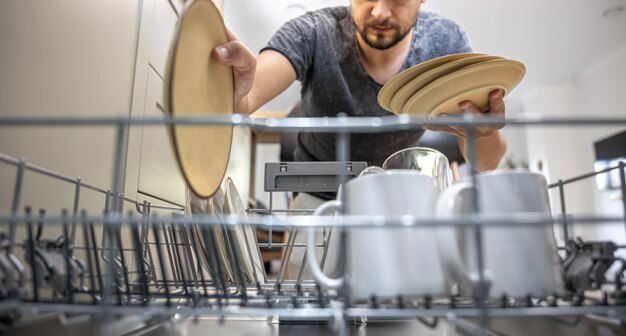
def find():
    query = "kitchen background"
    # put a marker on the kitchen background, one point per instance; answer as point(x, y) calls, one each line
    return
point(107, 58)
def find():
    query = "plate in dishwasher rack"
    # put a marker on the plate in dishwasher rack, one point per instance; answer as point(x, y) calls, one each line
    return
point(243, 237)
point(196, 85)
point(210, 239)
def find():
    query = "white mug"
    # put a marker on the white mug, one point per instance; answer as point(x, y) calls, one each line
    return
point(384, 261)
point(519, 260)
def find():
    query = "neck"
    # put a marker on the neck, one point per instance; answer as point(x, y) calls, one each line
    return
point(381, 65)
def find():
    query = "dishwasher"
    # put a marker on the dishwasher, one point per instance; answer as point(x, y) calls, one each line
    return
point(128, 271)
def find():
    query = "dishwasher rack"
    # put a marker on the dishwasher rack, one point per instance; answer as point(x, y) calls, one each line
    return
point(139, 263)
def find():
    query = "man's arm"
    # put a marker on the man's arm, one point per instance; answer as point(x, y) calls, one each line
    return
point(490, 143)
point(257, 80)
point(489, 150)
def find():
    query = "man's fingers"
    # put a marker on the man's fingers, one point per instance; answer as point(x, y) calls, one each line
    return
point(477, 132)
point(496, 103)
point(496, 109)
point(468, 106)
point(497, 106)
point(233, 53)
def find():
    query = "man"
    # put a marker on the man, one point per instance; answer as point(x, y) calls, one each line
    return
point(343, 56)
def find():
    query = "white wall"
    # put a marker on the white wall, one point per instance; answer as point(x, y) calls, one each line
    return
point(64, 58)
point(568, 151)
point(517, 146)
point(601, 91)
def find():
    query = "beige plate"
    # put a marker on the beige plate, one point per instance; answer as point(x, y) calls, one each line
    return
point(394, 84)
point(196, 86)
point(404, 93)
point(473, 83)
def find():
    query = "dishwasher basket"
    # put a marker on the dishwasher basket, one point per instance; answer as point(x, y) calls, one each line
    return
point(129, 261)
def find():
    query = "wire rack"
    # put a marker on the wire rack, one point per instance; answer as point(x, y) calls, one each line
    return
point(128, 260)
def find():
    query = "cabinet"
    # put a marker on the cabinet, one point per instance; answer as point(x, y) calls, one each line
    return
point(152, 169)
point(151, 165)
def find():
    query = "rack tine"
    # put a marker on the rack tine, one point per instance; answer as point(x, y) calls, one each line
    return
point(107, 204)
point(213, 256)
point(177, 256)
point(75, 210)
point(302, 266)
point(109, 250)
point(17, 193)
point(147, 252)
point(258, 250)
point(114, 265)
point(108, 255)
point(622, 177)
point(90, 268)
point(92, 233)
point(249, 249)
point(42, 213)
point(155, 225)
point(287, 255)
point(325, 242)
point(31, 255)
point(118, 233)
point(168, 247)
point(187, 246)
point(239, 277)
point(69, 288)
point(143, 278)
point(199, 257)
point(184, 250)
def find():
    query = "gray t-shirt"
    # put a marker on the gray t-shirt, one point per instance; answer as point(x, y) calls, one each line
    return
point(322, 47)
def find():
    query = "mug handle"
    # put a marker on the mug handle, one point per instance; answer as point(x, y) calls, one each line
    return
point(450, 205)
point(310, 248)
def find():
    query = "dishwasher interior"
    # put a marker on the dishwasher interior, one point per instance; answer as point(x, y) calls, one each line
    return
point(129, 271)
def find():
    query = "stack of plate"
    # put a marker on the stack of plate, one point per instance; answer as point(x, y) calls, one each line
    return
point(438, 86)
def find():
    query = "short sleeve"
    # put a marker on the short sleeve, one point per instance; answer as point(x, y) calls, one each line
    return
point(296, 41)
point(459, 42)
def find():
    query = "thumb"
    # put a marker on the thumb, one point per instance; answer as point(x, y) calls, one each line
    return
point(235, 54)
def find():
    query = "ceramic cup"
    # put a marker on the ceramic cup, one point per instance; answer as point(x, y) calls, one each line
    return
point(386, 261)
point(518, 259)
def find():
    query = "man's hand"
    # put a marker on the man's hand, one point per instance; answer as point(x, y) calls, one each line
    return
point(490, 143)
point(496, 109)
point(236, 54)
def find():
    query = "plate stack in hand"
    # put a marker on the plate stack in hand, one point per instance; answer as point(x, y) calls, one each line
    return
point(438, 86)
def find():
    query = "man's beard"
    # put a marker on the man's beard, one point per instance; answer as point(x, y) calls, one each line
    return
point(379, 42)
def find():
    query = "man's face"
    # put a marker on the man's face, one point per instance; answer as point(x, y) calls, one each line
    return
point(383, 23)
